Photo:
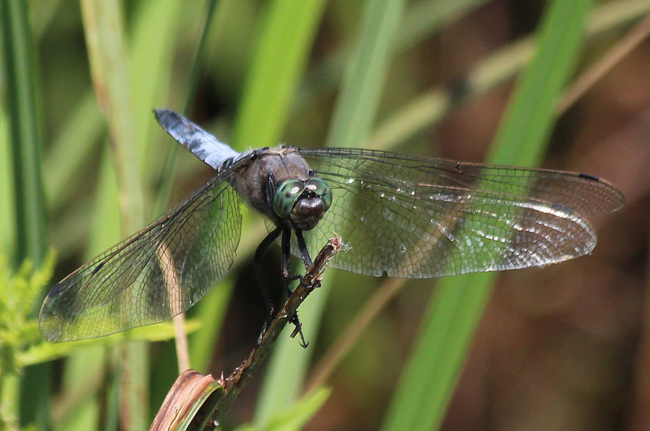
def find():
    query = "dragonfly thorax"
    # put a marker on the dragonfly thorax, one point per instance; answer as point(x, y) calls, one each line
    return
point(279, 183)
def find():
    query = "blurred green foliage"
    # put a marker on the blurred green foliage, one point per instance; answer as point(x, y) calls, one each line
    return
point(18, 329)
point(308, 73)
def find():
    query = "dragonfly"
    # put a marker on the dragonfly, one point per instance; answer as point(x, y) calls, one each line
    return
point(400, 215)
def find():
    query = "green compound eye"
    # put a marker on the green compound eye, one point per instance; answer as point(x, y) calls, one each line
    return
point(285, 197)
point(321, 189)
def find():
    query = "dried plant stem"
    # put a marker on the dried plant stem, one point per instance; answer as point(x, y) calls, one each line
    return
point(234, 384)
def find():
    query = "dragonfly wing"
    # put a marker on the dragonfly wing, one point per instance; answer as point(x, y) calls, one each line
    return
point(418, 217)
point(152, 276)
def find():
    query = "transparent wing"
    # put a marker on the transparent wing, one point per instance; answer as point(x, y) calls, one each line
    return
point(418, 217)
point(152, 276)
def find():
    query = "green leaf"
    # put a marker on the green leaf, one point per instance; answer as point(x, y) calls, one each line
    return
point(302, 411)
point(295, 417)
point(364, 77)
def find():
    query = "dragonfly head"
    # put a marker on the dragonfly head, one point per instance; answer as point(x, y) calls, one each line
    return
point(303, 203)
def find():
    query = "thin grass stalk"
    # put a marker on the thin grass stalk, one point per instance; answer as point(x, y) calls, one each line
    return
point(108, 59)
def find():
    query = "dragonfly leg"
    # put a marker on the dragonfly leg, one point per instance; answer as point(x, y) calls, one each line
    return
point(298, 330)
point(306, 260)
point(266, 293)
point(286, 261)
point(287, 279)
point(304, 253)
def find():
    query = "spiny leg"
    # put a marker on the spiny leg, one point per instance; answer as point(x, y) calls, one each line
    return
point(266, 293)
point(306, 260)
point(287, 278)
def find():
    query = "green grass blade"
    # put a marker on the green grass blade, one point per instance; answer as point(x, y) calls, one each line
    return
point(279, 61)
point(7, 222)
point(364, 78)
point(150, 54)
point(298, 416)
point(81, 384)
point(195, 72)
point(428, 380)
point(22, 113)
point(530, 117)
point(42, 13)
point(24, 129)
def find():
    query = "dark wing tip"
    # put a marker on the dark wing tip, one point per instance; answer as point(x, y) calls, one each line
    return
point(614, 197)
point(589, 177)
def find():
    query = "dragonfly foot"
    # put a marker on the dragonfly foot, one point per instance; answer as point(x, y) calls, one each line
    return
point(298, 330)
